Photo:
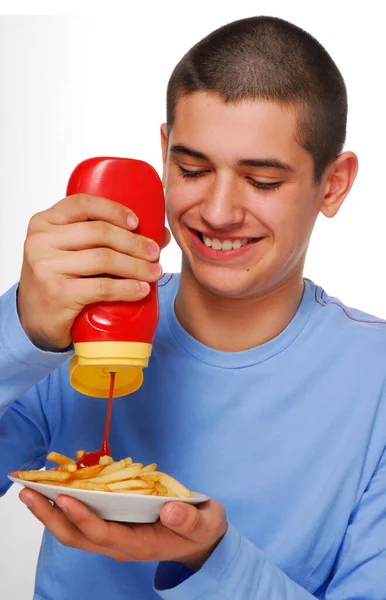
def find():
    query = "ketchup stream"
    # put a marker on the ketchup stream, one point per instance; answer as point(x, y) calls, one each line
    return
point(90, 459)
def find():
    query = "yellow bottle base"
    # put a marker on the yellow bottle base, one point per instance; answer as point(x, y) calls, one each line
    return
point(93, 362)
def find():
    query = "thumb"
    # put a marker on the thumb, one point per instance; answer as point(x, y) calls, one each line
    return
point(201, 525)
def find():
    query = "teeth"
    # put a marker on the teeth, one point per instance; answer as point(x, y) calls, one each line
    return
point(225, 245)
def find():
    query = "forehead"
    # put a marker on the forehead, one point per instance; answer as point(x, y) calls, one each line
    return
point(234, 130)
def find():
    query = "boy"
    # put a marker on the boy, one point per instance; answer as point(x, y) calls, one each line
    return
point(262, 390)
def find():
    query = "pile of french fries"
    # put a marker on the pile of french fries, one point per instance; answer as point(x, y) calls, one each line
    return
point(123, 476)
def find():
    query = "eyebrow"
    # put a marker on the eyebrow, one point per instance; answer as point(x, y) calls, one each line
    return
point(249, 162)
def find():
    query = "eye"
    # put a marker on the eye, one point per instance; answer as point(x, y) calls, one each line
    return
point(186, 173)
point(262, 185)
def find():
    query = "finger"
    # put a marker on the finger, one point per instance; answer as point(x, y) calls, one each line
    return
point(139, 542)
point(103, 261)
point(201, 524)
point(101, 533)
point(57, 523)
point(103, 289)
point(99, 234)
point(84, 207)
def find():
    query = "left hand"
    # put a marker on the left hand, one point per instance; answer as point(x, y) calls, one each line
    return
point(184, 533)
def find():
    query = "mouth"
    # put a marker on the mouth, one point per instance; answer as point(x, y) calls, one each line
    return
point(228, 245)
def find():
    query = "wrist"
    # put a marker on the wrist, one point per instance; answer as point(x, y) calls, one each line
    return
point(196, 561)
point(38, 340)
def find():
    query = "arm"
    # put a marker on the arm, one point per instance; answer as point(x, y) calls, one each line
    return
point(232, 568)
point(238, 570)
point(24, 431)
point(66, 248)
point(21, 363)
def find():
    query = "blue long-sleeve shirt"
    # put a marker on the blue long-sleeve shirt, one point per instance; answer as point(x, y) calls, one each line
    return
point(289, 436)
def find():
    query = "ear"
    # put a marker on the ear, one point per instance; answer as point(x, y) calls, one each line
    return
point(339, 179)
point(164, 146)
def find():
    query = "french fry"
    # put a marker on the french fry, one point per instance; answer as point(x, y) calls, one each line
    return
point(54, 483)
point(87, 472)
point(129, 484)
point(148, 492)
point(151, 477)
point(114, 467)
point(68, 468)
point(161, 489)
point(43, 475)
point(127, 473)
point(105, 460)
point(174, 486)
point(149, 468)
point(61, 459)
point(123, 476)
point(86, 485)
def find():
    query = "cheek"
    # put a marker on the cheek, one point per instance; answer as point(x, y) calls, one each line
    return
point(180, 197)
point(290, 220)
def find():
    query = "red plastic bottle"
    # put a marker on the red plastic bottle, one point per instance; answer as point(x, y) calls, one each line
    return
point(117, 336)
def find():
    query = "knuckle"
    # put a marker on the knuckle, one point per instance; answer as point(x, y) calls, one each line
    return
point(104, 288)
point(29, 247)
point(103, 540)
point(41, 269)
point(101, 228)
point(192, 522)
point(136, 267)
point(34, 243)
point(131, 289)
point(34, 223)
point(54, 288)
point(81, 199)
point(103, 257)
point(136, 244)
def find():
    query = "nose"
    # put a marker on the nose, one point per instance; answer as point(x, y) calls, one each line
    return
point(221, 208)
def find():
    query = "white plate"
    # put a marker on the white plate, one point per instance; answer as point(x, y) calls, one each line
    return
point(130, 508)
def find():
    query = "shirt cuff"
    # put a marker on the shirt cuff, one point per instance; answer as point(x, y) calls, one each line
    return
point(167, 581)
point(14, 342)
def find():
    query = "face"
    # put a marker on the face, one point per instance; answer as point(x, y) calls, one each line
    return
point(241, 198)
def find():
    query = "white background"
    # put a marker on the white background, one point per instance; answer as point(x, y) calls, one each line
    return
point(93, 83)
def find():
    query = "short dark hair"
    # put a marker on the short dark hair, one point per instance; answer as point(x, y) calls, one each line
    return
point(271, 59)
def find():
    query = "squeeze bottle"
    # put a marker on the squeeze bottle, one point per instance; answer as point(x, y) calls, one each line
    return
point(117, 336)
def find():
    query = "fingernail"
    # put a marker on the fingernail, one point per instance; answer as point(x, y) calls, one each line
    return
point(152, 250)
point(132, 221)
point(176, 516)
point(145, 287)
point(27, 500)
point(156, 269)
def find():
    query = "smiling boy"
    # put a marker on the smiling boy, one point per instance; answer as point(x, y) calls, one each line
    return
point(262, 391)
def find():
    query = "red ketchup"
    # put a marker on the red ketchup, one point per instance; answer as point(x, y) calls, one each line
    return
point(90, 459)
point(116, 337)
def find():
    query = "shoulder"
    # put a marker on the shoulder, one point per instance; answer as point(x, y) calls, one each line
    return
point(351, 324)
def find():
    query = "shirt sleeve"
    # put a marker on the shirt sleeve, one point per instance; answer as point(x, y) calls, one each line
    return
point(24, 393)
point(22, 364)
point(238, 570)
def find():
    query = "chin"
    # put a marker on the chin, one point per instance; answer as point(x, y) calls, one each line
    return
point(227, 284)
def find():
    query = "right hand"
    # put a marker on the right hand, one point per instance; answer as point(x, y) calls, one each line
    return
point(70, 251)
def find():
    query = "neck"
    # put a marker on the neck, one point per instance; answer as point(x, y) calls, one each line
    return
point(235, 324)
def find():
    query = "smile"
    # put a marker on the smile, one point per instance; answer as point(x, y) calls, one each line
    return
point(216, 248)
